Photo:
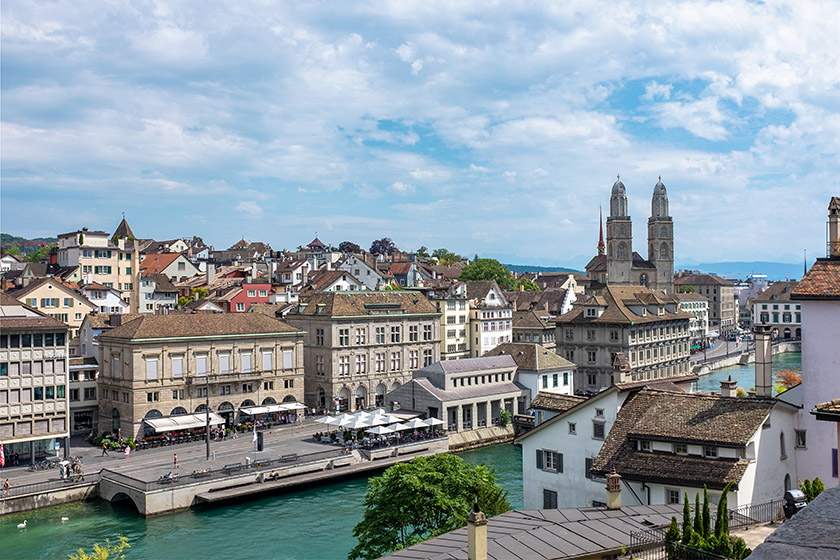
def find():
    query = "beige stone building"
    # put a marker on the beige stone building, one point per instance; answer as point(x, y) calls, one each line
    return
point(164, 365)
point(50, 296)
point(360, 345)
point(723, 307)
point(644, 326)
point(33, 382)
point(454, 307)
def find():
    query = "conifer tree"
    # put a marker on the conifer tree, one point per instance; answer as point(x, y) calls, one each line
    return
point(698, 519)
point(707, 515)
point(686, 528)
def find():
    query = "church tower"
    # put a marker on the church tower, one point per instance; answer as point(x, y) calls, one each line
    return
point(661, 240)
point(619, 238)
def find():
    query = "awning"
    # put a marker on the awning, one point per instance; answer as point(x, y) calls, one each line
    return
point(268, 408)
point(183, 422)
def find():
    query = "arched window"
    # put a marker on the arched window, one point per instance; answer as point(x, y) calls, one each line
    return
point(782, 444)
point(663, 232)
point(178, 411)
point(289, 398)
point(269, 400)
point(322, 398)
point(201, 408)
point(787, 482)
point(622, 251)
point(154, 413)
point(643, 280)
point(663, 251)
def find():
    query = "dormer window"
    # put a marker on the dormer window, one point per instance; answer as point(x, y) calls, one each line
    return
point(681, 449)
point(591, 312)
point(710, 451)
point(644, 445)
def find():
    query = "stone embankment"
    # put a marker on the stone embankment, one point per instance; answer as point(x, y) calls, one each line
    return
point(742, 358)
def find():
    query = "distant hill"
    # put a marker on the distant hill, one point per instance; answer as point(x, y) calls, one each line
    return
point(520, 268)
point(26, 246)
point(742, 269)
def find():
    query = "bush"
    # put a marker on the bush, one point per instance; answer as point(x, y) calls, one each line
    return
point(504, 417)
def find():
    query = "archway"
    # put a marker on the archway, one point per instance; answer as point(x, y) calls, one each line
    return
point(379, 400)
point(178, 411)
point(787, 333)
point(123, 499)
point(269, 400)
point(227, 412)
point(395, 385)
point(147, 429)
point(787, 482)
point(200, 408)
point(343, 399)
point(361, 397)
point(289, 398)
point(247, 402)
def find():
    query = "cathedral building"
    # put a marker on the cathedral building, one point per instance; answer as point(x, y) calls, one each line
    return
point(617, 264)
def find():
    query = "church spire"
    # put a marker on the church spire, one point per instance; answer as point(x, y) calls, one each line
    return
point(601, 226)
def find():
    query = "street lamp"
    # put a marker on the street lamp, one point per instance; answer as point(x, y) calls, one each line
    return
point(207, 413)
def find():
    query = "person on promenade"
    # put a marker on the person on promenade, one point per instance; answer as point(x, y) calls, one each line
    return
point(104, 448)
point(127, 451)
point(6, 487)
point(176, 460)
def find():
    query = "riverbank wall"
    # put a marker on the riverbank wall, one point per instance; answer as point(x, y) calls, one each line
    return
point(481, 437)
point(743, 358)
point(47, 497)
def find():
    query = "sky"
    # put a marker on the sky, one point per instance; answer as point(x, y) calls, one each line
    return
point(490, 128)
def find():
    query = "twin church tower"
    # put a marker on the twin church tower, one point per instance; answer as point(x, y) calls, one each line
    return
point(621, 265)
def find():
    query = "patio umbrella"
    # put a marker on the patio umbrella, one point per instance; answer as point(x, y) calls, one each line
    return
point(415, 423)
point(326, 420)
point(380, 430)
point(399, 427)
point(358, 424)
point(434, 422)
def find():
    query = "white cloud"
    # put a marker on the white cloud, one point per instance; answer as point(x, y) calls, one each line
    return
point(402, 188)
point(249, 207)
point(702, 118)
point(654, 90)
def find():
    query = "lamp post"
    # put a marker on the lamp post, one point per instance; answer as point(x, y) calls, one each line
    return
point(207, 414)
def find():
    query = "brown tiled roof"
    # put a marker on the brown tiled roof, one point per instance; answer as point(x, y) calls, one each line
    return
point(556, 402)
point(198, 325)
point(36, 320)
point(103, 320)
point(683, 417)
point(689, 297)
point(154, 263)
point(241, 244)
point(821, 282)
point(616, 298)
point(700, 280)
point(324, 278)
point(597, 264)
point(123, 230)
point(530, 356)
point(364, 303)
point(529, 319)
point(830, 407)
point(452, 272)
point(480, 288)
point(777, 291)
point(538, 300)
point(401, 268)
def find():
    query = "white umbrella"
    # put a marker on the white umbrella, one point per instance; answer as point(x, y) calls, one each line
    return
point(326, 420)
point(415, 423)
point(358, 424)
point(399, 427)
point(380, 430)
point(434, 422)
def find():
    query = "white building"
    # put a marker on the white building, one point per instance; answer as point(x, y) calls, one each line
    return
point(106, 300)
point(698, 327)
point(491, 316)
point(157, 293)
point(774, 307)
point(362, 271)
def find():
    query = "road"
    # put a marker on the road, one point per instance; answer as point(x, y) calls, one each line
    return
point(722, 349)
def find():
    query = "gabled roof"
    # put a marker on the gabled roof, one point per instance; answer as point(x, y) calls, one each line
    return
point(776, 292)
point(700, 280)
point(316, 244)
point(364, 303)
point(598, 263)
point(640, 262)
point(547, 300)
point(123, 231)
point(198, 325)
point(468, 365)
point(687, 418)
point(103, 320)
point(530, 356)
point(821, 282)
point(323, 279)
point(37, 283)
point(155, 263)
point(470, 392)
point(616, 300)
point(478, 289)
point(241, 244)
point(529, 320)
point(401, 268)
point(556, 402)
point(17, 315)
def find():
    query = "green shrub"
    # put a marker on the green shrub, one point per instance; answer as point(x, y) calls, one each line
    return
point(504, 417)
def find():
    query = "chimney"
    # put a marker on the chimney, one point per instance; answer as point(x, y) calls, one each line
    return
point(834, 227)
point(763, 361)
point(613, 490)
point(477, 535)
point(728, 387)
point(210, 274)
point(115, 320)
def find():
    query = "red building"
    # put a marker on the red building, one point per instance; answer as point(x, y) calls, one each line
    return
point(249, 294)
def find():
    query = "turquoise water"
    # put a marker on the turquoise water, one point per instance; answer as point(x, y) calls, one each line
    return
point(745, 375)
point(316, 523)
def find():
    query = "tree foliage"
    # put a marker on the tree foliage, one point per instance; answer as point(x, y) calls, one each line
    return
point(383, 246)
point(686, 526)
point(422, 252)
point(487, 269)
point(423, 498)
point(811, 489)
point(446, 257)
point(104, 552)
point(526, 285)
point(41, 254)
point(349, 247)
point(686, 289)
point(788, 377)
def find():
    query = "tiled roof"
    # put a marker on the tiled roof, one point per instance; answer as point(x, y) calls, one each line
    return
point(777, 291)
point(103, 320)
point(401, 268)
point(598, 263)
point(556, 402)
point(832, 407)
point(452, 272)
point(683, 417)
point(700, 280)
point(529, 320)
point(154, 263)
point(470, 392)
point(821, 282)
point(538, 301)
point(530, 356)
point(33, 319)
point(363, 303)
point(616, 299)
point(123, 231)
point(467, 365)
point(690, 297)
point(198, 325)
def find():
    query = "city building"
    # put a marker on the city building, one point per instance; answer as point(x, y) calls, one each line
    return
point(723, 307)
point(645, 326)
point(453, 305)
point(533, 326)
point(538, 368)
point(773, 307)
point(491, 316)
point(169, 366)
point(697, 306)
point(56, 300)
point(363, 270)
point(33, 382)
point(175, 266)
point(82, 395)
point(818, 294)
point(105, 300)
point(157, 293)
point(466, 394)
point(359, 345)
point(617, 264)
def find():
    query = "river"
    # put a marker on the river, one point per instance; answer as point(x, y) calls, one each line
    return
point(315, 523)
point(745, 375)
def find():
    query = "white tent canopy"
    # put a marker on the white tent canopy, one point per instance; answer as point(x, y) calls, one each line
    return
point(267, 408)
point(433, 422)
point(380, 430)
point(183, 422)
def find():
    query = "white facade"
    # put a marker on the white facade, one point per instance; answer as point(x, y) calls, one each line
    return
point(365, 274)
point(106, 300)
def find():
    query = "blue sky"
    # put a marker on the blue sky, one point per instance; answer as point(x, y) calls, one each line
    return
point(489, 128)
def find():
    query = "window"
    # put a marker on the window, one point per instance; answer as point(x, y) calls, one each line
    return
point(395, 361)
point(549, 499)
point(344, 337)
point(361, 363)
point(201, 364)
point(288, 384)
point(343, 365)
point(248, 387)
point(251, 293)
point(414, 359)
point(592, 355)
point(395, 334)
point(380, 362)
point(590, 334)
point(74, 394)
point(554, 380)
point(224, 363)
point(672, 496)
point(427, 358)
point(782, 450)
point(549, 460)
point(360, 336)
point(427, 332)
point(597, 429)
point(151, 368)
point(801, 442)
point(573, 428)
point(413, 333)
point(288, 359)
point(588, 467)
point(566, 378)
point(240, 306)
point(545, 382)
point(319, 337)
point(266, 360)
point(681, 449)
point(319, 365)
point(246, 362)
point(177, 366)
point(644, 445)
point(153, 396)
point(380, 335)
point(709, 451)
point(90, 393)
point(263, 293)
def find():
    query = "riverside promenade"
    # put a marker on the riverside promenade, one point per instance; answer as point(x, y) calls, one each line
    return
point(234, 467)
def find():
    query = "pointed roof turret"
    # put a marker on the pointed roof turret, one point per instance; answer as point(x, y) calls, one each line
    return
point(659, 202)
point(123, 231)
point(618, 199)
point(601, 245)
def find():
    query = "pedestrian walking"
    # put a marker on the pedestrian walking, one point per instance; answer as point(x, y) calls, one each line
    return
point(127, 451)
point(176, 460)
point(6, 487)
point(104, 448)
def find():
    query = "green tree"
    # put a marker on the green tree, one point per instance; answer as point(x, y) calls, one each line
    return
point(698, 519)
point(487, 269)
point(12, 251)
point(526, 285)
point(707, 515)
point(349, 247)
point(672, 535)
point(686, 526)
point(422, 252)
point(106, 552)
point(504, 417)
point(383, 246)
point(817, 487)
point(723, 545)
point(40, 254)
point(686, 289)
point(805, 486)
point(423, 498)
point(446, 257)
